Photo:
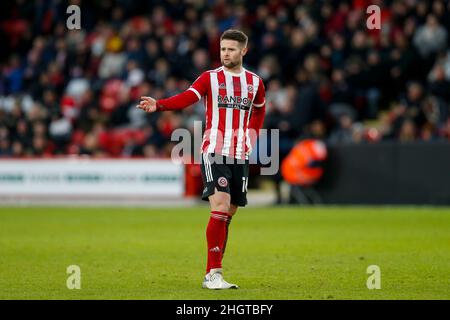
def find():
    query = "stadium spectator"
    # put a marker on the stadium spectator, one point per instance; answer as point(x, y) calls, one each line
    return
point(317, 54)
point(431, 37)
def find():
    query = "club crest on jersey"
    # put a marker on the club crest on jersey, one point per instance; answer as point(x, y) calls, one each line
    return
point(222, 181)
point(250, 88)
point(222, 86)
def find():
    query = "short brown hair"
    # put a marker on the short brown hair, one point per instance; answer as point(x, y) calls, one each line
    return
point(237, 35)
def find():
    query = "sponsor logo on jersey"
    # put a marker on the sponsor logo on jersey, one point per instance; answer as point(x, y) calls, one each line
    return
point(233, 102)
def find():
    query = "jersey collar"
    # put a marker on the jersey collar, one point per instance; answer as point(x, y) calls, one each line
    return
point(234, 74)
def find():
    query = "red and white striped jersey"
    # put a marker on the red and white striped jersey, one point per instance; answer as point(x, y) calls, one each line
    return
point(229, 102)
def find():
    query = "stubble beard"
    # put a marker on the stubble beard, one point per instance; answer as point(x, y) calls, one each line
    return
point(230, 64)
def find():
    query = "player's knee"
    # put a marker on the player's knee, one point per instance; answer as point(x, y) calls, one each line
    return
point(222, 206)
point(220, 201)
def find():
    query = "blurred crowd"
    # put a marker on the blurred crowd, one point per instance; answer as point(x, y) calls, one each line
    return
point(74, 92)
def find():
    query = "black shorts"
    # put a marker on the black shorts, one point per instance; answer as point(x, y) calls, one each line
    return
point(227, 175)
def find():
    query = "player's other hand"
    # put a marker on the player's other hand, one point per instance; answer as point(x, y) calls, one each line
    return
point(148, 104)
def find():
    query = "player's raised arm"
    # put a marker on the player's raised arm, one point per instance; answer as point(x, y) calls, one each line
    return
point(179, 101)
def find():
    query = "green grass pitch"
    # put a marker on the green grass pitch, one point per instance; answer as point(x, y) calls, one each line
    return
point(272, 253)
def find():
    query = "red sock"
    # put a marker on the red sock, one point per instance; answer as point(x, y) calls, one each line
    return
point(215, 237)
point(226, 235)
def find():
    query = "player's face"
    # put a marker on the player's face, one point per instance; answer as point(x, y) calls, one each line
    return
point(231, 53)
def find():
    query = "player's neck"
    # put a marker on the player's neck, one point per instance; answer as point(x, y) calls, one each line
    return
point(236, 70)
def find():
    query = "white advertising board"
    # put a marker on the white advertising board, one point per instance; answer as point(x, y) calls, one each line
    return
point(86, 177)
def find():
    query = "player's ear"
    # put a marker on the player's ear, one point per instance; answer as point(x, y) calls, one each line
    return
point(244, 51)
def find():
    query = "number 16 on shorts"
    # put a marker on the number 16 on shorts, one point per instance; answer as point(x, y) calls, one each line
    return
point(244, 184)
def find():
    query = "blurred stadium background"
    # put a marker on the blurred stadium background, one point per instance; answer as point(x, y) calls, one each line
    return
point(379, 99)
point(364, 118)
